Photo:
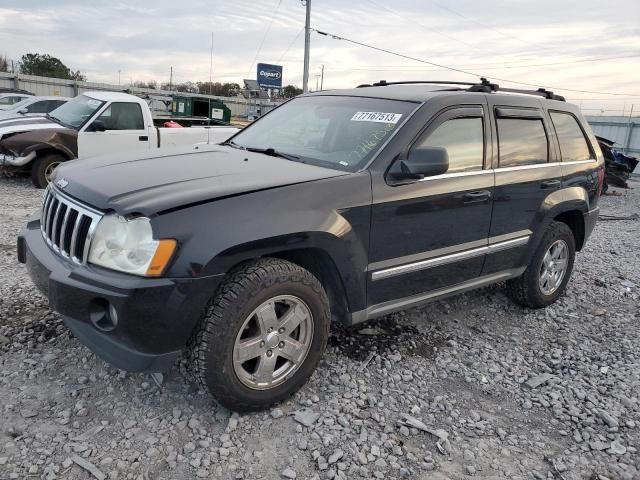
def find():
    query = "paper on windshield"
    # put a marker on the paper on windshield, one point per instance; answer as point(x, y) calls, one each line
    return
point(379, 117)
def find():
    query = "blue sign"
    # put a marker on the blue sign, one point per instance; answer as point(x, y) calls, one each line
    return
point(269, 76)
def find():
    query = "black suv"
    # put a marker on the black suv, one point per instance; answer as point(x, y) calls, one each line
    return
point(344, 205)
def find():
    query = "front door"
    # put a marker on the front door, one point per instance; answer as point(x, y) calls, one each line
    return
point(432, 233)
point(120, 127)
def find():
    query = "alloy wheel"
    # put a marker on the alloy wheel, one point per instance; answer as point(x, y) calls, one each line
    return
point(273, 342)
point(554, 267)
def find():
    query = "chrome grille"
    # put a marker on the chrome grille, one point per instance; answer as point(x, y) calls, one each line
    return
point(67, 226)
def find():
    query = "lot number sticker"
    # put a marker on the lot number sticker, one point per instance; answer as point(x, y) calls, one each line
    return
point(380, 117)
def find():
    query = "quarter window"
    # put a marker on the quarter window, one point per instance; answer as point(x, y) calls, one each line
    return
point(521, 141)
point(463, 138)
point(122, 116)
point(573, 145)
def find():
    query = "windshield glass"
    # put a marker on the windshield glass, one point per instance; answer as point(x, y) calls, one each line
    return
point(77, 111)
point(329, 131)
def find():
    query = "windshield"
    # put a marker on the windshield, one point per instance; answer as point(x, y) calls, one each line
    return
point(76, 112)
point(10, 100)
point(331, 131)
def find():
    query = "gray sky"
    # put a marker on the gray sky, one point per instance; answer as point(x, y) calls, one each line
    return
point(540, 42)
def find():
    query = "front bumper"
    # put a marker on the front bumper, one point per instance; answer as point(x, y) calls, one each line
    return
point(13, 161)
point(154, 317)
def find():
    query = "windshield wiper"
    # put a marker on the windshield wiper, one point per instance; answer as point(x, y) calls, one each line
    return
point(57, 120)
point(233, 144)
point(272, 152)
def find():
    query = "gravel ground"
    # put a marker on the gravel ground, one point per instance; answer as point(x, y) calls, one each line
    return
point(470, 387)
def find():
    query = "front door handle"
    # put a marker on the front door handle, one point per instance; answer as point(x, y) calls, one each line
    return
point(476, 197)
point(550, 184)
point(143, 138)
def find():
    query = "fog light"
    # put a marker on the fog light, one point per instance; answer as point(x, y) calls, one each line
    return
point(103, 315)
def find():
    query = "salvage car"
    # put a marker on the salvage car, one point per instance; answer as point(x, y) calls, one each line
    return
point(32, 106)
point(11, 98)
point(341, 205)
point(92, 124)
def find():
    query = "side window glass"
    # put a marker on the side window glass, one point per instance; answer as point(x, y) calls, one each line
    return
point(463, 138)
point(38, 107)
point(122, 116)
point(573, 144)
point(522, 141)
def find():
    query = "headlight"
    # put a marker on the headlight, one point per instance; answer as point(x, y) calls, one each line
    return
point(127, 245)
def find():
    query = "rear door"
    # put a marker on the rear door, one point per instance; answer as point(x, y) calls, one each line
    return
point(527, 171)
point(431, 233)
point(124, 131)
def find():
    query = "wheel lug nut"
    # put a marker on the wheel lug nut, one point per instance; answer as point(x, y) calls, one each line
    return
point(269, 353)
point(281, 345)
point(281, 330)
point(270, 330)
point(262, 343)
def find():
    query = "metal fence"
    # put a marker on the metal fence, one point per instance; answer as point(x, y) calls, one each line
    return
point(622, 130)
point(240, 107)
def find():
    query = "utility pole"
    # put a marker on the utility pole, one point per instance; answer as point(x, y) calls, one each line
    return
point(322, 77)
point(307, 41)
point(171, 78)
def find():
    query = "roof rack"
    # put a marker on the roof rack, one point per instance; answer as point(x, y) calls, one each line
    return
point(485, 86)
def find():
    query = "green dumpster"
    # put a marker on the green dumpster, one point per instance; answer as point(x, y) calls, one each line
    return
point(188, 106)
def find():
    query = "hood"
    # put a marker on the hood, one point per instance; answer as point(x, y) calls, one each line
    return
point(12, 125)
point(148, 184)
point(21, 136)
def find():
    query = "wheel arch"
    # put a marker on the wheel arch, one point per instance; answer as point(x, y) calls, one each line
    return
point(42, 149)
point(323, 254)
point(567, 205)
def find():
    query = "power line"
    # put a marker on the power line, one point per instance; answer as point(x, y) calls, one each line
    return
point(410, 68)
point(291, 44)
point(430, 29)
point(454, 12)
point(466, 72)
point(264, 37)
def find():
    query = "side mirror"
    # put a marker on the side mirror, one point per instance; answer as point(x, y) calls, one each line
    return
point(422, 162)
point(98, 126)
point(23, 111)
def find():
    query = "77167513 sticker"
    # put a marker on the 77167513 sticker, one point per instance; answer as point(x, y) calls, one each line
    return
point(380, 117)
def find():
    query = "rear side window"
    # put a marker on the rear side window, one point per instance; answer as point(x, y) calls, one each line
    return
point(522, 141)
point(463, 138)
point(573, 144)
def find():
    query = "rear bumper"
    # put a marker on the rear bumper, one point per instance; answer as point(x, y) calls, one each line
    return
point(590, 220)
point(134, 323)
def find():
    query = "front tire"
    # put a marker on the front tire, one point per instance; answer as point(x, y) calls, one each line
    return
point(548, 273)
point(262, 335)
point(43, 167)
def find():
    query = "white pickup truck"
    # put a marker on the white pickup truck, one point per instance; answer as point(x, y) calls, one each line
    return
point(94, 123)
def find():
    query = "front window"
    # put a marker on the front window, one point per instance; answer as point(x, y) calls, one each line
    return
point(75, 113)
point(331, 131)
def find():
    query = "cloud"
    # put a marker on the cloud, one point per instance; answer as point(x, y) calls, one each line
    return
point(143, 40)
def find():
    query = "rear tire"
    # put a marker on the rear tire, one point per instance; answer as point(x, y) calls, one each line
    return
point(244, 351)
point(43, 167)
point(546, 278)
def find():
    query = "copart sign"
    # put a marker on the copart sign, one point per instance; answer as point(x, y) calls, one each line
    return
point(269, 76)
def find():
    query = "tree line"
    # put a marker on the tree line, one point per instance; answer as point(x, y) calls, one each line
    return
point(45, 65)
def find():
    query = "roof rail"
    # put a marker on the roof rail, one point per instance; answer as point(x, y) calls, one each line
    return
point(485, 86)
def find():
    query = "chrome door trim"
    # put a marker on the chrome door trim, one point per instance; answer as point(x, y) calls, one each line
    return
point(436, 261)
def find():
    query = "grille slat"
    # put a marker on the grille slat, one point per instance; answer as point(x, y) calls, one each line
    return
point(67, 225)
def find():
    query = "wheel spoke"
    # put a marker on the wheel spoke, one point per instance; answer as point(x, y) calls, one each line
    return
point(292, 350)
point(292, 319)
point(560, 265)
point(266, 367)
point(267, 317)
point(547, 259)
point(248, 349)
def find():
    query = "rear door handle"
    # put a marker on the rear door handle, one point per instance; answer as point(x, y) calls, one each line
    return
point(143, 138)
point(476, 197)
point(550, 184)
